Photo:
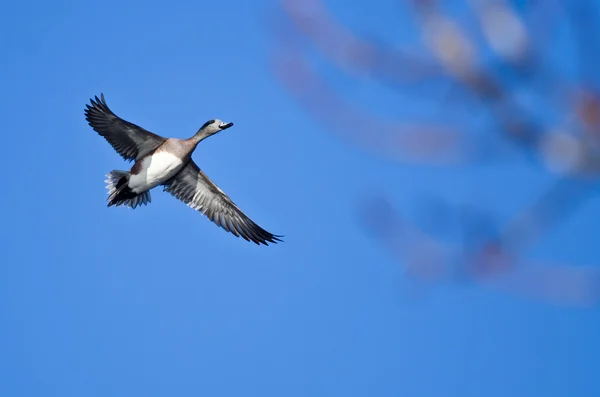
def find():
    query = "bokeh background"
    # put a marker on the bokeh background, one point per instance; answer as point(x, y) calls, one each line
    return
point(432, 164)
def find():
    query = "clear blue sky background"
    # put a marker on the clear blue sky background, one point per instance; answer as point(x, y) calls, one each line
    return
point(160, 302)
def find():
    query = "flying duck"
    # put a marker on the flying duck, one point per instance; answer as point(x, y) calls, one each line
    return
point(168, 162)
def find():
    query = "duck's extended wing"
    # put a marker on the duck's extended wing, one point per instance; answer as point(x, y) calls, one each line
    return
point(128, 139)
point(195, 189)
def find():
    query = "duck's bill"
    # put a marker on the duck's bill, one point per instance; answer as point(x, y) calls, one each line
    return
point(224, 126)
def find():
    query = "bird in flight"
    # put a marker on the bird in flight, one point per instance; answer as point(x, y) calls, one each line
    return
point(168, 162)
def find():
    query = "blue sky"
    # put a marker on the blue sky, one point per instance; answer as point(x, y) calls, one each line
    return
point(158, 301)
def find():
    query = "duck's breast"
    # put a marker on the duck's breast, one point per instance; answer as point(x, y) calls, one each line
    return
point(153, 170)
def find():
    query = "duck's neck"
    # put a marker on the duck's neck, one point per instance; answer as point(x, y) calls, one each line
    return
point(198, 137)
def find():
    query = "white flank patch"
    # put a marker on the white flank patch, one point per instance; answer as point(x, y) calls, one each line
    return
point(155, 170)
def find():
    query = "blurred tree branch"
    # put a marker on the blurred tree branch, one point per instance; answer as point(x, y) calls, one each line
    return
point(501, 67)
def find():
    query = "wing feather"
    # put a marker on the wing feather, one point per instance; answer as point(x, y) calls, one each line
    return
point(194, 188)
point(129, 140)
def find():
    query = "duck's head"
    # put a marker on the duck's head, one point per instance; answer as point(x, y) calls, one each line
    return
point(209, 128)
point(213, 126)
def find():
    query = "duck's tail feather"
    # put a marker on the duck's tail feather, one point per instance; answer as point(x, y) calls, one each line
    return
point(119, 192)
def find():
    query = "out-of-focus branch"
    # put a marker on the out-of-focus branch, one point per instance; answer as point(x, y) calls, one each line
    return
point(504, 72)
point(425, 143)
point(453, 57)
point(429, 261)
point(352, 53)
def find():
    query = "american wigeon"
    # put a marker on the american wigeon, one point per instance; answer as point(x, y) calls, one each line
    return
point(168, 162)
